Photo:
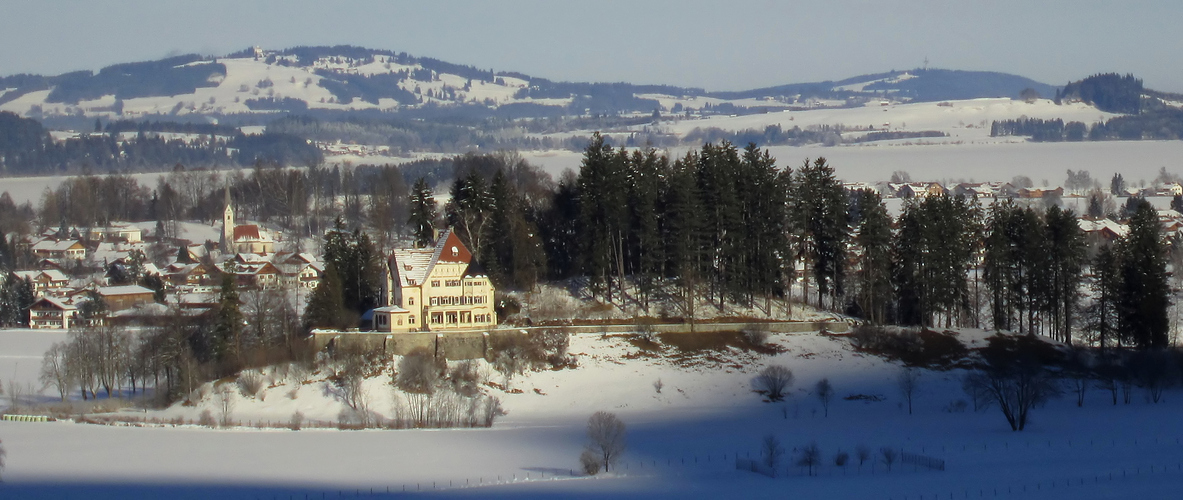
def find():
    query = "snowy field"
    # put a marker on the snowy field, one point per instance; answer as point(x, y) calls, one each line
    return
point(682, 442)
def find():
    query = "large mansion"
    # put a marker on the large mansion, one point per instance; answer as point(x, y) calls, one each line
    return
point(431, 289)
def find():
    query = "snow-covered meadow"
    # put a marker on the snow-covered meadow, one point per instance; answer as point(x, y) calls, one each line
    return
point(682, 442)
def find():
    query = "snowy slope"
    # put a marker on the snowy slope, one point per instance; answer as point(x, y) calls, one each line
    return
point(677, 440)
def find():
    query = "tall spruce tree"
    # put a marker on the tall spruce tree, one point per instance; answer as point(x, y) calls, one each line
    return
point(819, 206)
point(1103, 314)
point(603, 206)
point(1066, 255)
point(873, 241)
point(1145, 292)
point(423, 214)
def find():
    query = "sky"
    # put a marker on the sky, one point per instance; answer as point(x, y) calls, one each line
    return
point(716, 45)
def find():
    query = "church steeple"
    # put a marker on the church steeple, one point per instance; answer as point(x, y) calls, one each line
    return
point(227, 224)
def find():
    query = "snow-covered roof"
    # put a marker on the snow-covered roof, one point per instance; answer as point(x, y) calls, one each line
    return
point(55, 303)
point(108, 291)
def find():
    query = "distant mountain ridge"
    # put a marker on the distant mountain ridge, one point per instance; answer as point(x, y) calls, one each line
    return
point(348, 79)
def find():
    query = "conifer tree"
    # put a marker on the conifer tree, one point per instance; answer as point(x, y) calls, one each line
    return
point(1102, 315)
point(1145, 292)
point(873, 241)
point(227, 321)
point(423, 214)
point(819, 204)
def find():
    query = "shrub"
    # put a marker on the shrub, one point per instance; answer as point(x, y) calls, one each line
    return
point(296, 421)
point(755, 334)
point(417, 372)
point(658, 385)
point(773, 381)
point(207, 419)
point(465, 378)
point(250, 383)
point(888, 455)
point(841, 458)
point(590, 462)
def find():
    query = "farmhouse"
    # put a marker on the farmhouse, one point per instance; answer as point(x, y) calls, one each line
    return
point(49, 312)
point(433, 289)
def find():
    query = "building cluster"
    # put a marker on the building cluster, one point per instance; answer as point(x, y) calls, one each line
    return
point(423, 289)
point(992, 190)
point(71, 266)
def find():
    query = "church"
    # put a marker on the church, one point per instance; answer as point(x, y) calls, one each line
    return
point(247, 238)
point(433, 289)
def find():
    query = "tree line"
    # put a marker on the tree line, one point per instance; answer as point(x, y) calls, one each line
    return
point(731, 227)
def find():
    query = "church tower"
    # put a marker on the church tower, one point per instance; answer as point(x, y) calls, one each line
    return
point(227, 225)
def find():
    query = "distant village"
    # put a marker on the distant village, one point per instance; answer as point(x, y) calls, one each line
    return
point(430, 288)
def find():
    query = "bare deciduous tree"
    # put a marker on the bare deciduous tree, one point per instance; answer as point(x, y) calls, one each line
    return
point(225, 400)
point(773, 381)
point(888, 455)
point(810, 458)
point(417, 372)
point(54, 370)
point(908, 381)
point(605, 434)
point(772, 451)
point(1016, 386)
point(863, 453)
point(824, 392)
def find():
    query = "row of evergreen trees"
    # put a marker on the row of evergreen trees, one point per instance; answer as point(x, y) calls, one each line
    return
point(731, 226)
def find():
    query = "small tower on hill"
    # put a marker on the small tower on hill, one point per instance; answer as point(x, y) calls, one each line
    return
point(227, 224)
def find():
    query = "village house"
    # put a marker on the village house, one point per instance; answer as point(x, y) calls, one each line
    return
point(47, 282)
point(59, 249)
point(434, 289)
point(123, 297)
point(48, 312)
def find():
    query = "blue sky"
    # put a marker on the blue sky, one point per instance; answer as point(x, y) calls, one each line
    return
point(729, 45)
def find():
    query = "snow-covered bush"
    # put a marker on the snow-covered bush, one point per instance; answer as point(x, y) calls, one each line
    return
point(296, 421)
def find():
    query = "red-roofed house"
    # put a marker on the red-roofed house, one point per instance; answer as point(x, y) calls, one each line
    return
point(436, 288)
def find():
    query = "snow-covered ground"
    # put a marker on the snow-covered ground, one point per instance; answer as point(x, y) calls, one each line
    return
point(682, 442)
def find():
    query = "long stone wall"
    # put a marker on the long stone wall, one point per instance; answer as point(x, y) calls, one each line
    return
point(472, 344)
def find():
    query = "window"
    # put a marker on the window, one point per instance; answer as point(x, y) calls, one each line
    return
point(437, 318)
point(452, 283)
point(410, 301)
point(435, 301)
point(411, 320)
point(455, 251)
point(435, 282)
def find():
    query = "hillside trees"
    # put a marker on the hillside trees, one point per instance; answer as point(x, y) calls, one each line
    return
point(1145, 292)
point(423, 214)
point(872, 243)
point(819, 206)
point(934, 250)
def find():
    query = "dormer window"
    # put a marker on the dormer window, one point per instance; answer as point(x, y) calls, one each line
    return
point(455, 251)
